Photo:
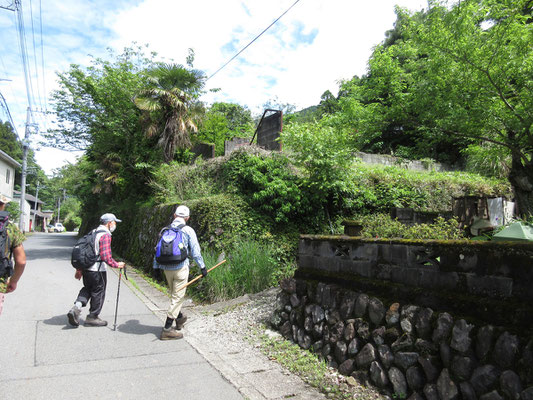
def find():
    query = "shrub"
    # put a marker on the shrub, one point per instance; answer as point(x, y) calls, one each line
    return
point(268, 183)
point(176, 182)
point(383, 226)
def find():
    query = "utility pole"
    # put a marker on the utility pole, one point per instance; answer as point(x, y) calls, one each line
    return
point(35, 208)
point(25, 147)
point(59, 206)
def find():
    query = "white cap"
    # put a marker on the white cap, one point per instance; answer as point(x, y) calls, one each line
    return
point(108, 217)
point(182, 211)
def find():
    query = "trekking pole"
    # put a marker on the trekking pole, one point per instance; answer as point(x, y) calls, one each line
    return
point(199, 276)
point(118, 293)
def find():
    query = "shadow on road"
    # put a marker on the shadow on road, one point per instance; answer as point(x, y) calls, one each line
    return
point(134, 327)
point(59, 320)
point(50, 246)
point(56, 254)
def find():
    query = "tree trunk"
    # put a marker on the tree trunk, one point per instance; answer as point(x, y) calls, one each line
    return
point(521, 178)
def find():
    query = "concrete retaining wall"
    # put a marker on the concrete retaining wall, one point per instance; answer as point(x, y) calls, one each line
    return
point(417, 319)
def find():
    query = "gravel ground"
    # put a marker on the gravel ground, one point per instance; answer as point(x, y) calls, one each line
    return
point(237, 332)
point(234, 336)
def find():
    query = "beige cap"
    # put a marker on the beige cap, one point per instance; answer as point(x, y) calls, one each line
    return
point(4, 199)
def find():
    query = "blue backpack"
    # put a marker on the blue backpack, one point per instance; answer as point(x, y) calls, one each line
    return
point(170, 248)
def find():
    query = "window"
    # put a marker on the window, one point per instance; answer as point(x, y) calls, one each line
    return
point(8, 175)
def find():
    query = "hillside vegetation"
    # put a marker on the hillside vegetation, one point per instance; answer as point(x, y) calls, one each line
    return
point(253, 204)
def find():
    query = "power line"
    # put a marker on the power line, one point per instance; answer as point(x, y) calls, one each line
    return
point(9, 84)
point(42, 58)
point(8, 113)
point(23, 51)
point(257, 37)
point(35, 56)
point(10, 7)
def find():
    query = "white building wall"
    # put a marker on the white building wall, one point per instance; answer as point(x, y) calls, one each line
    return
point(7, 179)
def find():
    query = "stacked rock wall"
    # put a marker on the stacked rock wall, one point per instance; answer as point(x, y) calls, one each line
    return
point(402, 347)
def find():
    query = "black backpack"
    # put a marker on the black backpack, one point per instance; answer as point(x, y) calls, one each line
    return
point(6, 266)
point(84, 252)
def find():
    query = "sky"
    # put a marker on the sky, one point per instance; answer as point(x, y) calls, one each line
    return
point(316, 44)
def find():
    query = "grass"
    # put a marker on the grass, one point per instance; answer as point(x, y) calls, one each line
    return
point(312, 370)
point(151, 280)
point(250, 268)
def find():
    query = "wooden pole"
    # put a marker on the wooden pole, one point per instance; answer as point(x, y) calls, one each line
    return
point(199, 276)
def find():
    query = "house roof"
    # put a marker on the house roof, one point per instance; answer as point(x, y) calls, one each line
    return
point(8, 159)
point(40, 214)
point(29, 197)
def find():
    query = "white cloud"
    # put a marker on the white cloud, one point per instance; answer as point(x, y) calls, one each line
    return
point(307, 52)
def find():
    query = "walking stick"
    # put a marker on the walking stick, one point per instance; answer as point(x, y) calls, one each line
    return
point(199, 276)
point(118, 293)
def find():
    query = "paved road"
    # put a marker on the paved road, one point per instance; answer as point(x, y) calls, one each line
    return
point(41, 357)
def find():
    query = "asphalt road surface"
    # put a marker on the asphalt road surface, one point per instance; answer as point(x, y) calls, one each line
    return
point(42, 357)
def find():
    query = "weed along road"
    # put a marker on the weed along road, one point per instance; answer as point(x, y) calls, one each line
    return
point(41, 357)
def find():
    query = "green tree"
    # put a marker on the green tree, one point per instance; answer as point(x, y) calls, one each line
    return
point(475, 80)
point(323, 155)
point(168, 103)
point(328, 103)
point(456, 76)
point(95, 112)
point(9, 141)
point(224, 121)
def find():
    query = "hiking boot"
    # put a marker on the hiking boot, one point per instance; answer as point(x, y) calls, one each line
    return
point(180, 322)
point(74, 316)
point(94, 321)
point(170, 334)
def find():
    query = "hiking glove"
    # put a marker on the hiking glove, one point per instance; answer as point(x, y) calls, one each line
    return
point(204, 272)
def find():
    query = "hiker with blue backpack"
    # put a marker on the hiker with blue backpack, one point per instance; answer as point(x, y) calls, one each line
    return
point(177, 242)
point(90, 256)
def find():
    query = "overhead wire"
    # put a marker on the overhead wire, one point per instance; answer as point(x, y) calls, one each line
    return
point(9, 83)
point(24, 56)
point(42, 57)
point(257, 37)
point(8, 113)
point(35, 56)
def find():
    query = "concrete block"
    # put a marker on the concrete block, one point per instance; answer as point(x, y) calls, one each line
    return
point(492, 286)
point(361, 268)
point(407, 276)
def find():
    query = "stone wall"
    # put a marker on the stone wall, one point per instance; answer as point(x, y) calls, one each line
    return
point(235, 143)
point(268, 132)
point(470, 278)
point(205, 150)
point(368, 309)
point(414, 165)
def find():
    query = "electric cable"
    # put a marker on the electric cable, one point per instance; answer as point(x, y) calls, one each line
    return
point(8, 114)
point(257, 37)
point(35, 56)
point(9, 84)
point(24, 55)
point(42, 58)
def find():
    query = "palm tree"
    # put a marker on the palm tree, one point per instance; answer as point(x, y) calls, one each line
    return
point(168, 105)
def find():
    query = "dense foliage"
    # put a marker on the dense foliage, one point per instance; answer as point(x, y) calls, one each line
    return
point(451, 84)
point(455, 77)
point(224, 121)
point(384, 227)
